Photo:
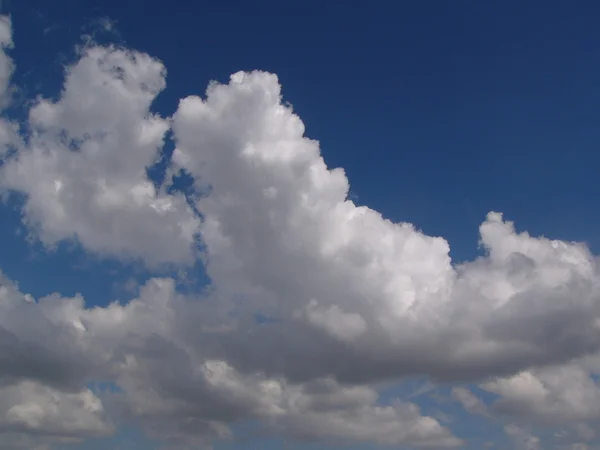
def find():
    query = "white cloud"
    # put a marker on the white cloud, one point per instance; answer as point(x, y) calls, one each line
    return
point(6, 63)
point(522, 438)
point(341, 325)
point(563, 397)
point(556, 395)
point(280, 230)
point(354, 298)
point(83, 167)
point(167, 386)
point(8, 131)
point(44, 364)
point(319, 410)
point(36, 409)
point(469, 401)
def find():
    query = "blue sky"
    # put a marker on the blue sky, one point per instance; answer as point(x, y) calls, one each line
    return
point(439, 112)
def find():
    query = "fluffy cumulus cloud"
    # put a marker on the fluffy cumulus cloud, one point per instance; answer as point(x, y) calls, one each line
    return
point(29, 409)
point(563, 398)
point(279, 229)
point(43, 368)
point(351, 299)
point(53, 347)
point(82, 166)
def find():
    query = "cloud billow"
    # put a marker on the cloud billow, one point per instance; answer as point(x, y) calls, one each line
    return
point(353, 299)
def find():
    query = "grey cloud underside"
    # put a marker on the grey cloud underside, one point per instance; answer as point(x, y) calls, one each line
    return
point(353, 298)
point(173, 390)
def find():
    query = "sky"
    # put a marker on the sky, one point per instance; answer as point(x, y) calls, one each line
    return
point(299, 225)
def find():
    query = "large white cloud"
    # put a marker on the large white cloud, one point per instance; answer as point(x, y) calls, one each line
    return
point(31, 408)
point(351, 297)
point(54, 347)
point(562, 398)
point(83, 165)
point(553, 396)
point(280, 230)
point(44, 365)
